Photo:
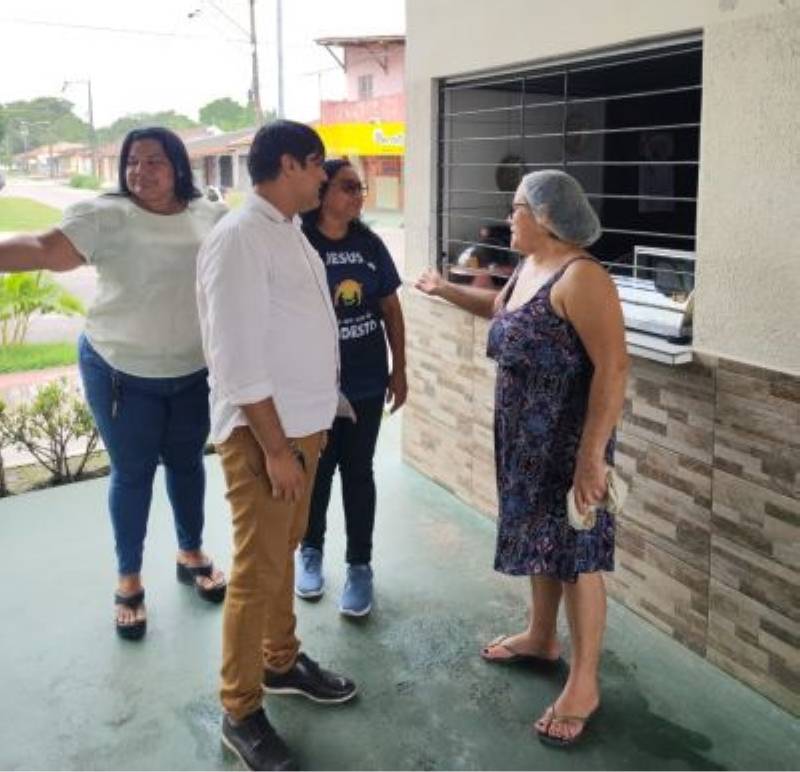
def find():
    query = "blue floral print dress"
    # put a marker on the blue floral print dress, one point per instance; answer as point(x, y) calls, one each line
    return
point(541, 400)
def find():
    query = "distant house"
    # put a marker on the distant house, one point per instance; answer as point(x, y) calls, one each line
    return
point(241, 148)
point(368, 126)
point(108, 155)
point(108, 162)
point(59, 159)
point(221, 159)
point(217, 158)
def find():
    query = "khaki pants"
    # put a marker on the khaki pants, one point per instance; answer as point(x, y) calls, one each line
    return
point(258, 619)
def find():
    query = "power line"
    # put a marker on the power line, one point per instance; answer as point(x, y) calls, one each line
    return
point(227, 16)
point(120, 30)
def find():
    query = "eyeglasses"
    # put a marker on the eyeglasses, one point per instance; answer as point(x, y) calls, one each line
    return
point(352, 188)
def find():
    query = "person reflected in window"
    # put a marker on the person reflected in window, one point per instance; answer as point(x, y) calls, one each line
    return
point(363, 284)
point(141, 357)
point(489, 262)
point(557, 335)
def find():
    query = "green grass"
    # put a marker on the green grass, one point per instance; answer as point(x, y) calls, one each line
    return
point(36, 356)
point(23, 214)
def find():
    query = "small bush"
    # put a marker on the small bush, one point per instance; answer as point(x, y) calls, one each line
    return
point(24, 294)
point(45, 427)
point(86, 181)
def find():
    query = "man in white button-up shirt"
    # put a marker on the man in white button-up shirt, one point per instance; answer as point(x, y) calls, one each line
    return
point(271, 343)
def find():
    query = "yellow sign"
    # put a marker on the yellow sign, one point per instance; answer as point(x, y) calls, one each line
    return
point(363, 138)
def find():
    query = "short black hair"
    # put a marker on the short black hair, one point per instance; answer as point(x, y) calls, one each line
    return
point(175, 151)
point(279, 138)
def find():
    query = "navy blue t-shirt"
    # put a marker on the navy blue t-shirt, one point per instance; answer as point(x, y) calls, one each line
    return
point(360, 273)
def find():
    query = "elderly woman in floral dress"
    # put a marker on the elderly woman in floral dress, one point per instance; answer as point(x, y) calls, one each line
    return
point(557, 335)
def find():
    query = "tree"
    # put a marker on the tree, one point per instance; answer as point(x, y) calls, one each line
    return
point(227, 114)
point(42, 121)
point(167, 118)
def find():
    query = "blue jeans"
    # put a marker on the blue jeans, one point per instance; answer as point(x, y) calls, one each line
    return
point(142, 421)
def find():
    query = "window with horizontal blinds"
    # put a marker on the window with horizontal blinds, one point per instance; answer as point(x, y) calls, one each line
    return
point(627, 126)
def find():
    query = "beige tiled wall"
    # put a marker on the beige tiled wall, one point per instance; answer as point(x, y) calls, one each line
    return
point(709, 547)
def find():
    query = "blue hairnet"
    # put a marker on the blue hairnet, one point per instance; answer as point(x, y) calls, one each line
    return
point(558, 200)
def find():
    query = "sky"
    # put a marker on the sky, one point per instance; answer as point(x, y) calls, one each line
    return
point(153, 55)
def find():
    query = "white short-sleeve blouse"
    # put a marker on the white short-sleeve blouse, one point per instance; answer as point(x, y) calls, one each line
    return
point(144, 318)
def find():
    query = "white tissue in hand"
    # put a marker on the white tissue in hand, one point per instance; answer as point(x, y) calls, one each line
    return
point(616, 492)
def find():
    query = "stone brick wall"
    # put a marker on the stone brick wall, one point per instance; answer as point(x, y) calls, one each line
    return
point(708, 549)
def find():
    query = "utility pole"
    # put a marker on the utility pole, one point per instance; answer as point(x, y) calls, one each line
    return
point(254, 93)
point(255, 89)
point(279, 47)
point(92, 133)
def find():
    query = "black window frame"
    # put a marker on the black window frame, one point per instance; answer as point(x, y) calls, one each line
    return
point(685, 168)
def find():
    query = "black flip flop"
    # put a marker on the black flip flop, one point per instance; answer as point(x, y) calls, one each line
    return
point(189, 574)
point(132, 631)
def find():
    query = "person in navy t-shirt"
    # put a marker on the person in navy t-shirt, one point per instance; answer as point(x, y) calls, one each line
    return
point(363, 283)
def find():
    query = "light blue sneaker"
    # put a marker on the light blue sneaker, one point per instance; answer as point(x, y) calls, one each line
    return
point(357, 595)
point(308, 579)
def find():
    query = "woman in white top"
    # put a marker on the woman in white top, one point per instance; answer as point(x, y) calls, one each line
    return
point(141, 357)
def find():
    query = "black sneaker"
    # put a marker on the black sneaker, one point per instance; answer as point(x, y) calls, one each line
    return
point(306, 677)
point(256, 743)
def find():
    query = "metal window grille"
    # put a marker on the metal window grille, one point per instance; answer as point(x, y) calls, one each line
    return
point(626, 125)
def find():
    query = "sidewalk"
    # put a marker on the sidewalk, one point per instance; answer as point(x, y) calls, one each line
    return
point(18, 386)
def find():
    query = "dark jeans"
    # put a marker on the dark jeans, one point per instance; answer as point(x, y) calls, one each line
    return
point(142, 421)
point(351, 447)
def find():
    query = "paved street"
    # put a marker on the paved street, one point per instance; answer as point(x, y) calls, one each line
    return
point(46, 192)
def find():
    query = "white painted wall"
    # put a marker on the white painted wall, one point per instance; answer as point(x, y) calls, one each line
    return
point(749, 217)
point(748, 293)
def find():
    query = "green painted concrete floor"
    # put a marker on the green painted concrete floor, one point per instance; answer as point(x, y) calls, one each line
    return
point(73, 696)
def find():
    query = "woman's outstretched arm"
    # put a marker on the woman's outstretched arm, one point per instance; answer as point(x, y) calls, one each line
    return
point(49, 251)
point(480, 302)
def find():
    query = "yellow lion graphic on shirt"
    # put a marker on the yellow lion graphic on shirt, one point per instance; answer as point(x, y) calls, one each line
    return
point(348, 293)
